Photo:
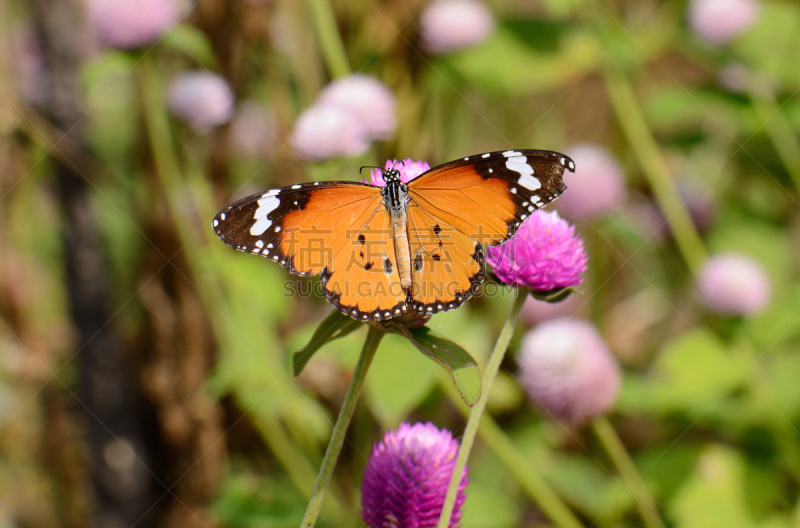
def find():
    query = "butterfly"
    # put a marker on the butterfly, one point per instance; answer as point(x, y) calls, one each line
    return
point(383, 251)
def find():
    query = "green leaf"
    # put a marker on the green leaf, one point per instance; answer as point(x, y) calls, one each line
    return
point(462, 368)
point(555, 295)
point(334, 326)
point(398, 381)
point(716, 494)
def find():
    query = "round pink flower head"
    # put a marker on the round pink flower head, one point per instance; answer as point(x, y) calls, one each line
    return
point(596, 187)
point(406, 478)
point(329, 131)
point(203, 99)
point(448, 25)
point(718, 22)
point(131, 23)
point(409, 169)
point(367, 98)
point(544, 254)
point(568, 371)
point(733, 284)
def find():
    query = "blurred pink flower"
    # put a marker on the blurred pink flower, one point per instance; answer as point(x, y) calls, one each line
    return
point(131, 23)
point(718, 22)
point(409, 169)
point(733, 284)
point(535, 311)
point(406, 478)
point(448, 25)
point(203, 99)
point(595, 188)
point(253, 131)
point(367, 98)
point(568, 370)
point(329, 131)
point(544, 254)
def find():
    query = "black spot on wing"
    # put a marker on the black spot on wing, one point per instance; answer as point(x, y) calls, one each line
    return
point(387, 266)
point(418, 262)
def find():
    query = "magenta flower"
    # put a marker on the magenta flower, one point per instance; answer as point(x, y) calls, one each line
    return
point(595, 188)
point(718, 22)
point(733, 284)
point(367, 98)
point(449, 25)
point(568, 371)
point(406, 478)
point(544, 254)
point(131, 23)
point(409, 169)
point(203, 99)
point(329, 131)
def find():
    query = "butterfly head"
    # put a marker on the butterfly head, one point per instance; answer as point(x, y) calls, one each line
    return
point(390, 175)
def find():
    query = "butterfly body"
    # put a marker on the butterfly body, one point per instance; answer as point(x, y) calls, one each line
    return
point(382, 251)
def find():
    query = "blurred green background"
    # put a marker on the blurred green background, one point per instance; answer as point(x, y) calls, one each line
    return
point(710, 405)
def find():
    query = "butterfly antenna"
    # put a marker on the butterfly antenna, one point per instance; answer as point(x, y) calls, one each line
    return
point(369, 167)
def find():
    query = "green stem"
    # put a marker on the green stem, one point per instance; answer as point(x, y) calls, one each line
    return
point(474, 419)
point(517, 464)
point(171, 175)
point(329, 38)
point(627, 469)
point(374, 337)
point(781, 134)
point(655, 168)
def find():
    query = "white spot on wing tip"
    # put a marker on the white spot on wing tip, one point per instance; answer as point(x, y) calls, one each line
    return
point(510, 153)
point(216, 222)
point(485, 155)
point(296, 186)
point(222, 216)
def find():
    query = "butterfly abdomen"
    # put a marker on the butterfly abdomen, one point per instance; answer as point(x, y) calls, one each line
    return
point(401, 249)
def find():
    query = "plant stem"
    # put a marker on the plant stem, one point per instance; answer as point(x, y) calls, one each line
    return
point(474, 419)
point(655, 168)
point(517, 464)
point(781, 134)
point(329, 39)
point(611, 442)
point(374, 337)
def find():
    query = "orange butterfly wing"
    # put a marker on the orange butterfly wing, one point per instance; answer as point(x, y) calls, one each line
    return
point(476, 200)
point(487, 196)
point(447, 266)
point(318, 228)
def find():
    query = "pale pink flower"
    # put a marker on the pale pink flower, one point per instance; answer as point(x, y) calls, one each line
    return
point(328, 131)
point(131, 23)
point(203, 99)
point(568, 370)
point(448, 25)
point(595, 188)
point(718, 22)
point(367, 98)
point(733, 284)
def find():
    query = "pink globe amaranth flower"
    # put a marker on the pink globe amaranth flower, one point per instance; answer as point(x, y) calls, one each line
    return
point(203, 99)
point(733, 284)
point(131, 23)
point(718, 22)
point(408, 168)
point(367, 98)
point(253, 131)
point(544, 254)
point(568, 370)
point(328, 131)
point(406, 478)
point(448, 25)
point(595, 188)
